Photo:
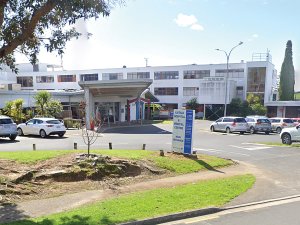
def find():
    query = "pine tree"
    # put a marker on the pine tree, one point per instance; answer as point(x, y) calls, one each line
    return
point(287, 75)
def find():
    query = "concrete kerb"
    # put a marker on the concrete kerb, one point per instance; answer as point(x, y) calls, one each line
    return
point(175, 216)
point(202, 212)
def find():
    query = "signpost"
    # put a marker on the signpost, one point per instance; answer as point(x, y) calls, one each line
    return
point(182, 139)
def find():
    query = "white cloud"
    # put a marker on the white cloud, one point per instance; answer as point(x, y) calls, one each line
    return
point(197, 27)
point(255, 35)
point(191, 21)
point(185, 20)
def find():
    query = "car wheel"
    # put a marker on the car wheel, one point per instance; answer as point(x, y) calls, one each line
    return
point(61, 135)
point(252, 130)
point(267, 132)
point(20, 132)
point(12, 137)
point(278, 130)
point(228, 130)
point(212, 129)
point(43, 134)
point(286, 139)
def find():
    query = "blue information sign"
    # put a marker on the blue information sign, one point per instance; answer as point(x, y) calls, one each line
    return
point(182, 139)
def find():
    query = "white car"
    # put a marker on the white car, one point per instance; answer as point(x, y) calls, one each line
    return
point(290, 135)
point(42, 127)
point(8, 128)
point(230, 124)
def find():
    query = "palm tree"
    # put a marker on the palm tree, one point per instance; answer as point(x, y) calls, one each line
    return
point(42, 99)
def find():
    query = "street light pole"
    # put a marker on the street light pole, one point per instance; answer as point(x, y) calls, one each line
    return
point(227, 73)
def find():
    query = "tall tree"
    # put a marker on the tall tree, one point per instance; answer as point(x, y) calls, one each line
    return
point(287, 75)
point(28, 25)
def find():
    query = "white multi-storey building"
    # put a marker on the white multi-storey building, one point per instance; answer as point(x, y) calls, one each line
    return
point(172, 85)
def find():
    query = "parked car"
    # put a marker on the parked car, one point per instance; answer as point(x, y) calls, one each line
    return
point(290, 135)
point(279, 123)
point(259, 124)
point(42, 127)
point(296, 121)
point(8, 128)
point(230, 124)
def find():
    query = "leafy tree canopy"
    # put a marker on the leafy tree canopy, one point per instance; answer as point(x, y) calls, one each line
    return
point(192, 104)
point(28, 25)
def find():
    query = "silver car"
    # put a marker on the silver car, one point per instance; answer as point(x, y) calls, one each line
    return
point(279, 123)
point(230, 124)
point(8, 128)
point(259, 124)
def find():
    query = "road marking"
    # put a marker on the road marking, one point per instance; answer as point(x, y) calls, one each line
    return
point(251, 148)
point(203, 218)
point(219, 151)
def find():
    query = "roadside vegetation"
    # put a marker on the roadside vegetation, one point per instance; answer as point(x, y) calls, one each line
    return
point(280, 144)
point(152, 203)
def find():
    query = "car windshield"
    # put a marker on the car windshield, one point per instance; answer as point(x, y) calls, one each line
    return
point(53, 121)
point(240, 120)
point(263, 121)
point(288, 121)
point(6, 121)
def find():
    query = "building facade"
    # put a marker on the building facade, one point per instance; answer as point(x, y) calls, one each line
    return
point(174, 86)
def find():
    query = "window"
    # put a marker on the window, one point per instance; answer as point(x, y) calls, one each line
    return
point(256, 79)
point(228, 120)
point(166, 91)
point(45, 79)
point(138, 75)
point(190, 91)
point(112, 76)
point(25, 81)
point(232, 73)
point(195, 74)
point(166, 75)
point(66, 78)
point(89, 77)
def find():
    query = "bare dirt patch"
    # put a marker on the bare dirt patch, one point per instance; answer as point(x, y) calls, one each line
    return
point(69, 174)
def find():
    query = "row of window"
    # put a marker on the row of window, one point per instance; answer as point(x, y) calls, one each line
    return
point(28, 80)
point(194, 91)
point(161, 75)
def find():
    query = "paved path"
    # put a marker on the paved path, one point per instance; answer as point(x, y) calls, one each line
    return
point(42, 207)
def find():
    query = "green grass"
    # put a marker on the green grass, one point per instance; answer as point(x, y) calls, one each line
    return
point(280, 144)
point(151, 203)
point(31, 157)
point(175, 164)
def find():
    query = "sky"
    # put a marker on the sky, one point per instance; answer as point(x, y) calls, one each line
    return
point(179, 32)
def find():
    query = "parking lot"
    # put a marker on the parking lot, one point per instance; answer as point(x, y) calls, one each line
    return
point(155, 137)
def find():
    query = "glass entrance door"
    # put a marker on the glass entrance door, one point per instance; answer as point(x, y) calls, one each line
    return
point(108, 111)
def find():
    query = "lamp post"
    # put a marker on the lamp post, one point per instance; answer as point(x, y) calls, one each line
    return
point(227, 73)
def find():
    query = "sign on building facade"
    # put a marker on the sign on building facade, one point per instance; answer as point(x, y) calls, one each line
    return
point(183, 123)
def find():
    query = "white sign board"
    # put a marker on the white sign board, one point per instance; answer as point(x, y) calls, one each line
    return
point(183, 123)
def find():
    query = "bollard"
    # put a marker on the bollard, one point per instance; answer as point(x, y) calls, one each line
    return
point(161, 153)
point(110, 145)
point(75, 146)
point(34, 147)
point(144, 147)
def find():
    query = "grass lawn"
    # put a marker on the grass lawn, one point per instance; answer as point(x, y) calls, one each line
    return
point(280, 144)
point(31, 157)
point(151, 203)
point(173, 163)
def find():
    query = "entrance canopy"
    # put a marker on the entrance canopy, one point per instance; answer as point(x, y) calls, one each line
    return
point(109, 91)
point(122, 88)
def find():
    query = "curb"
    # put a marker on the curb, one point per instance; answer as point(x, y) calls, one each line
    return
point(176, 216)
point(201, 212)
